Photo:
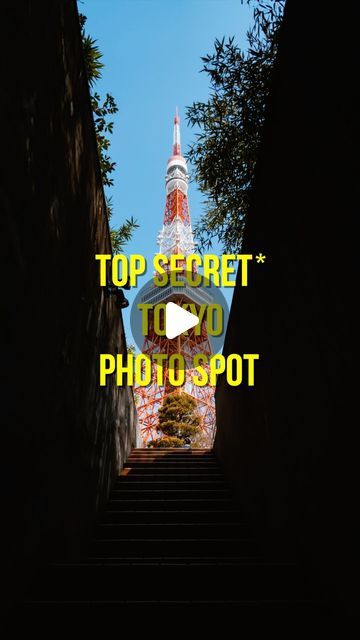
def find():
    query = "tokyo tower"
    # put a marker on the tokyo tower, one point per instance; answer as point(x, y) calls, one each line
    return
point(176, 237)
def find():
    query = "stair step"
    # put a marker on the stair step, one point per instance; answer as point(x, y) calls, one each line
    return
point(167, 494)
point(132, 484)
point(150, 469)
point(170, 530)
point(177, 547)
point(167, 516)
point(288, 607)
point(189, 455)
point(173, 452)
point(168, 477)
point(150, 503)
point(181, 464)
point(178, 461)
point(171, 560)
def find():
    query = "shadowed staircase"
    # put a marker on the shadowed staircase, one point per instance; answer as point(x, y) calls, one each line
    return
point(171, 534)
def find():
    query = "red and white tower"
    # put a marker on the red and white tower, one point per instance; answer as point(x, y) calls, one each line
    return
point(176, 237)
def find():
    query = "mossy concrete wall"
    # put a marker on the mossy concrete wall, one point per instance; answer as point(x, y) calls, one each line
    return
point(64, 437)
point(290, 444)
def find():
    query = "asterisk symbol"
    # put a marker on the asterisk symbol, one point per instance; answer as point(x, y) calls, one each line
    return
point(260, 258)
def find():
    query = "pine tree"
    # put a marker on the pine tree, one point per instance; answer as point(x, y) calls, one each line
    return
point(178, 417)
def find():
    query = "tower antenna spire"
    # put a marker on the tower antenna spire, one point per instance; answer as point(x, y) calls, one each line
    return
point(176, 137)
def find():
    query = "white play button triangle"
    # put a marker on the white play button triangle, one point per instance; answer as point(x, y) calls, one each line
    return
point(178, 320)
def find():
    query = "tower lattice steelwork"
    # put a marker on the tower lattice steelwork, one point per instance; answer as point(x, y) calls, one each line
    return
point(176, 237)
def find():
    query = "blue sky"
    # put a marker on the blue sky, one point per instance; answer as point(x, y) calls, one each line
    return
point(152, 52)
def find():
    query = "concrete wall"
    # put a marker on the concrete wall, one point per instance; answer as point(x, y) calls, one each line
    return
point(290, 444)
point(64, 437)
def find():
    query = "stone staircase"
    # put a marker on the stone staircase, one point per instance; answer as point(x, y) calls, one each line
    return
point(172, 535)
